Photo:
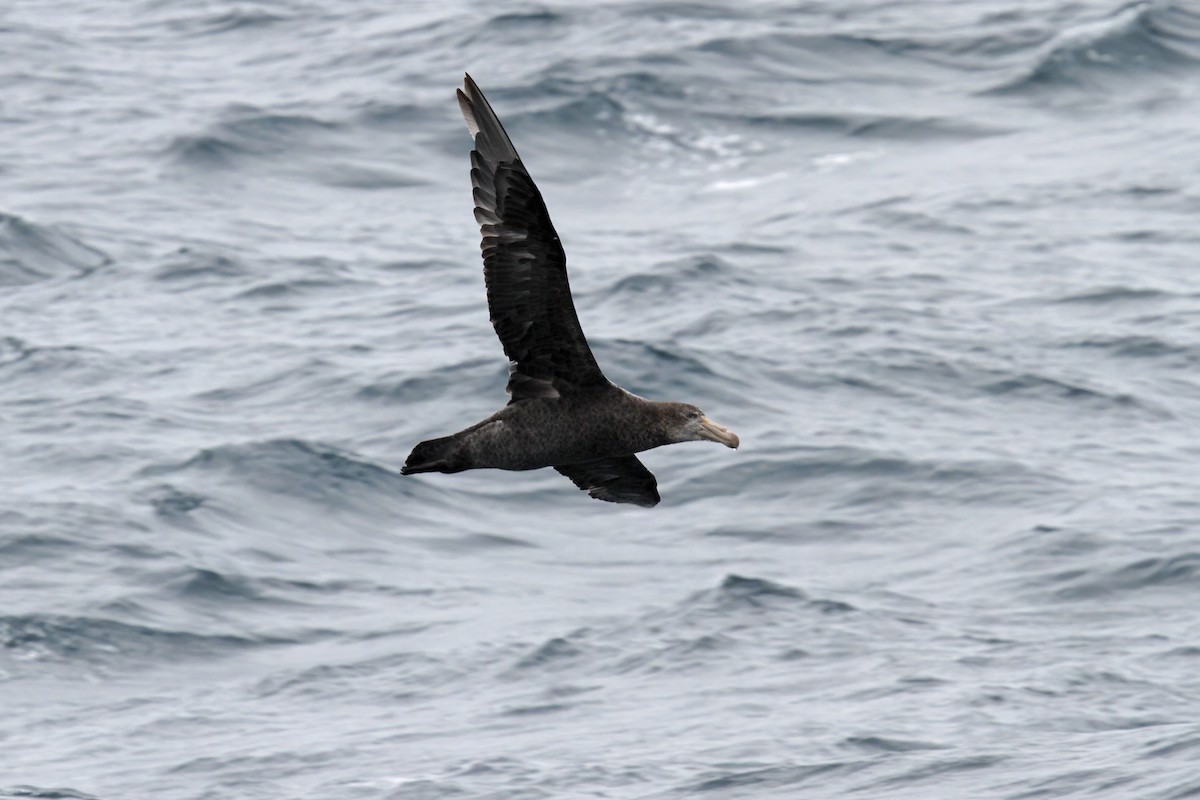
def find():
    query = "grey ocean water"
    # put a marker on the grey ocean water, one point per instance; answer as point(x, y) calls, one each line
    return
point(934, 261)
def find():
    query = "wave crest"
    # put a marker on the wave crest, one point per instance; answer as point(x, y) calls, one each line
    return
point(1140, 38)
point(31, 253)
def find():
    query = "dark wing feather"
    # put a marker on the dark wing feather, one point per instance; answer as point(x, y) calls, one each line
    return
point(622, 479)
point(524, 266)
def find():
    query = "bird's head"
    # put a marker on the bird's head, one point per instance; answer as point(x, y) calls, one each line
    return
point(688, 424)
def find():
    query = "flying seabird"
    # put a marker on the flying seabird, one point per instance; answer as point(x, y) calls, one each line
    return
point(563, 412)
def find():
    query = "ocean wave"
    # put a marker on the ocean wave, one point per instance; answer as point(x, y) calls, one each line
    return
point(868, 480)
point(1181, 570)
point(46, 793)
point(187, 269)
point(199, 584)
point(1138, 39)
point(219, 22)
point(793, 532)
point(737, 593)
point(193, 586)
point(650, 105)
point(1033, 385)
point(660, 370)
point(30, 253)
point(864, 125)
point(1139, 346)
point(404, 675)
point(20, 359)
point(694, 275)
point(698, 633)
point(592, 113)
point(934, 376)
point(30, 547)
point(55, 637)
point(516, 26)
point(248, 133)
point(290, 467)
point(470, 542)
point(818, 57)
point(13, 350)
point(551, 654)
point(51, 532)
point(1178, 742)
point(351, 174)
point(172, 503)
point(881, 744)
point(758, 778)
point(478, 377)
point(296, 146)
point(296, 287)
point(294, 383)
point(1113, 295)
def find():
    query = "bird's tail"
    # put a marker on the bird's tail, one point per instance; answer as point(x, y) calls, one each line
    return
point(434, 455)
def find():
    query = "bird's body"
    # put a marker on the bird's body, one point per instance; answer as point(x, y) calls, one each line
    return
point(563, 413)
point(543, 432)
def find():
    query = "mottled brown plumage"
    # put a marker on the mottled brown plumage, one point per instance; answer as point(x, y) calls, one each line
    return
point(563, 412)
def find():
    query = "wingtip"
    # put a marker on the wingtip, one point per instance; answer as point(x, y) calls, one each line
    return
point(469, 84)
point(468, 112)
point(491, 140)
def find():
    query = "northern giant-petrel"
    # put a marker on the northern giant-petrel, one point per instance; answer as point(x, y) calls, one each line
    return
point(563, 412)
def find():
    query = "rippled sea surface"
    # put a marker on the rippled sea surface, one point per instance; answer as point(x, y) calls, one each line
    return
point(935, 262)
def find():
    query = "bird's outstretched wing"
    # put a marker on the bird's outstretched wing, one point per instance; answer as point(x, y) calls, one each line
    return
point(524, 266)
point(622, 479)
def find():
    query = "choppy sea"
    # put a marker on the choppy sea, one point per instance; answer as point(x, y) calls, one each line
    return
point(936, 263)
